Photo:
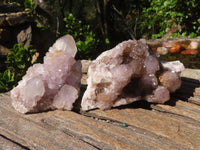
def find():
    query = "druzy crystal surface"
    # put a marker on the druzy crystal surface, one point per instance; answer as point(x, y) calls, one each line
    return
point(55, 84)
point(128, 73)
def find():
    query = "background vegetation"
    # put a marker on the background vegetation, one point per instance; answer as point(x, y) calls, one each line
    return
point(111, 21)
point(18, 61)
point(97, 25)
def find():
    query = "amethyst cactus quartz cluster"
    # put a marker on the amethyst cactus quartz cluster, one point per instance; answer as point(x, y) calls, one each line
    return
point(129, 73)
point(122, 75)
point(55, 84)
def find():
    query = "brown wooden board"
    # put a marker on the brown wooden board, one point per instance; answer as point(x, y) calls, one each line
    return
point(140, 126)
point(31, 132)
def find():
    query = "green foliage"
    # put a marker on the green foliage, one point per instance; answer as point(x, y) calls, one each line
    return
point(29, 6)
point(86, 41)
point(17, 63)
point(181, 18)
point(20, 57)
point(6, 80)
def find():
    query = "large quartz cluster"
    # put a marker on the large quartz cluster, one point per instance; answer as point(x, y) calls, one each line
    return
point(52, 85)
point(128, 73)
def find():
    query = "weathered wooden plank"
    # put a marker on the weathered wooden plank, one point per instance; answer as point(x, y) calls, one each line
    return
point(163, 127)
point(23, 129)
point(187, 88)
point(109, 135)
point(6, 144)
point(186, 134)
point(84, 129)
point(191, 83)
point(35, 136)
point(79, 127)
point(181, 108)
point(191, 73)
point(196, 97)
point(194, 100)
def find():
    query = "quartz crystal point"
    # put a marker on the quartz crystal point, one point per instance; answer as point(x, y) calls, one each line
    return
point(128, 73)
point(55, 84)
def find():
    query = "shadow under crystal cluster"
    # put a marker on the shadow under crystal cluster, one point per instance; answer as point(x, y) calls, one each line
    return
point(128, 73)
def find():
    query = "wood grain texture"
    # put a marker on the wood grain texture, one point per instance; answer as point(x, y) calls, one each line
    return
point(138, 126)
point(173, 129)
point(7, 144)
point(28, 131)
point(191, 85)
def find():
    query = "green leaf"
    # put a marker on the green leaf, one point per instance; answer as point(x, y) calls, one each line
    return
point(2, 86)
point(17, 62)
point(184, 34)
point(6, 75)
point(191, 35)
point(198, 20)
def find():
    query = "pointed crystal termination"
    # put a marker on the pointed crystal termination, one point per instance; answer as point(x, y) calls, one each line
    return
point(129, 73)
point(52, 85)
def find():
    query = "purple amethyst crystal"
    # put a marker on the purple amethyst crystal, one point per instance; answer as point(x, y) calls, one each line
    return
point(55, 84)
point(129, 73)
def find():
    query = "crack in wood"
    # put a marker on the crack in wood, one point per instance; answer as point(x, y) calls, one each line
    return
point(68, 132)
point(151, 136)
point(84, 139)
point(18, 144)
point(105, 119)
point(186, 119)
point(81, 137)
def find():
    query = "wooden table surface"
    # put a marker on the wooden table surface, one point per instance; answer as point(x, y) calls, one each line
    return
point(140, 125)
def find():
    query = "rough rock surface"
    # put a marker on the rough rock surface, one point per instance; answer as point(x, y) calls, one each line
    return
point(25, 36)
point(54, 84)
point(14, 19)
point(128, 73)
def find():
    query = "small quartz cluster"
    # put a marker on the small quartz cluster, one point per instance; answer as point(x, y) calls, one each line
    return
point(129, 72)
point(55, 84)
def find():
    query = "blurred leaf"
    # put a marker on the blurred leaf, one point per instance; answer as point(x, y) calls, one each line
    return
point(17, 63)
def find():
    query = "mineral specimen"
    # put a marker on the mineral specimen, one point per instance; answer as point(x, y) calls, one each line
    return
point(128, 73)
point(52, 85)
